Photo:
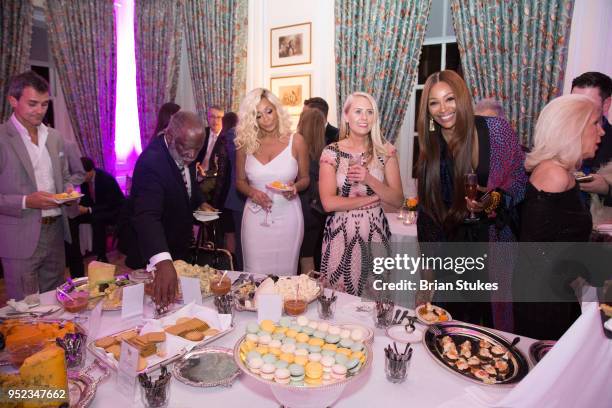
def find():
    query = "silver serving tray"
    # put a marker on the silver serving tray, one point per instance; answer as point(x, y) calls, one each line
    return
point(460, 331)
point(207, 367)
point(114, 364)
point(539, 349)
point(242, 308)
point(77, 282)
point(82, 385)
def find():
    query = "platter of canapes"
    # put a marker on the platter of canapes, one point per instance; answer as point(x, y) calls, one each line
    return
point(289, 287)
point(431, 314)
point(475, 353)
point(62, 198)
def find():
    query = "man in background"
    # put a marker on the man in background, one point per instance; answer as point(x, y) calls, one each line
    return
point(33, 167)
point(331, 132)
point(100, 205)
point(598, 87)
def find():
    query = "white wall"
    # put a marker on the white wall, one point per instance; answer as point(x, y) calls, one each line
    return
point(591, 33)
point(267, 14)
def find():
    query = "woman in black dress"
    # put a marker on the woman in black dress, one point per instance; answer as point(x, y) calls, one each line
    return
point(568, 131)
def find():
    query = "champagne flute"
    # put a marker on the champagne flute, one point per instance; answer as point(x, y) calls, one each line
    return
point(471, 191)
point(265, 223)
point(354, 160)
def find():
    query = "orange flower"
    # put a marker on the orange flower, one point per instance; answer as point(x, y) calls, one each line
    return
point(411, 203)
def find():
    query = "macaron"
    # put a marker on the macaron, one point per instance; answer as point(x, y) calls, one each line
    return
point(252, 337)
point(314, 357)
point(333, 338)
point(338, 372)
point(323, 326)
point(267, 326)
point(285, 321)
point(357, 335)
point(297, 372)
point(275, 343)
point(255, 365)
point(269, 358)
point(288, 340)
point(274, 350)
point(316, 342)
point(301, 360)
point(357, 347)
point(313, 325)
point(301, 352)
point(252, 327)
point(327, 362)
point(247, 346)
point(296, 327)
point(278, 336)
point(302, 320)
point(261, 333)
point(353, 365)
point(345, 334)
point(319, 334)
point(308, 330)
point(280, 329)
point(262, 349)
point(314, 349)
point(301, 346)
point(281, 364)
point(252, 354)
point(358, 355)
point(267, 371)
point(328, 353)
point(334, 330)
point(347, 352)
point(291, 333)
point(281, 376)
point(347, 343)
point(302, 338)
point(341, 359)
point(288, 348)
point(313, 370)
point(329, 346)
point(265, 340)
point(290, 358)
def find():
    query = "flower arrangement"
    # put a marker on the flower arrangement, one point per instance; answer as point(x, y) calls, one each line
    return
point(411, 203)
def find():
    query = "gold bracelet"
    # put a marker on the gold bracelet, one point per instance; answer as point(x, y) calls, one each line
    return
point(495, 200)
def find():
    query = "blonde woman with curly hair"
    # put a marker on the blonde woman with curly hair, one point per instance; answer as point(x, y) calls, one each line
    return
point(356, 174)
point(267, 152)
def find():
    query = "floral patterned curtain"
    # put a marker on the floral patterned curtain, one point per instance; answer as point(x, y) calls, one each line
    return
point(16, 29)
point(378, 46)
point(157, 38)
point(82, 41)
point(214, 30)
point(514, 52)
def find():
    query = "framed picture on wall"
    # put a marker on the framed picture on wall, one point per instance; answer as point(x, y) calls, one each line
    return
point(290, 45)
point(292, 91)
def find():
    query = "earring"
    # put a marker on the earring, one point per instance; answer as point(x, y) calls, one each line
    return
point(432, 127)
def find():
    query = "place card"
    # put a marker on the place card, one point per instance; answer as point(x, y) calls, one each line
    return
point(127, 369)
point(133, 301)
point(191, 290)
point(269, 307)
point(95, 320)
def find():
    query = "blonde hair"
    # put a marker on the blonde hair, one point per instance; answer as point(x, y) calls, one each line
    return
point(247, 131)
point(558, 132)
point(376, 143)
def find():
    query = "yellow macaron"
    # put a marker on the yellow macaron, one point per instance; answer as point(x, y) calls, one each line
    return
point(267, 326)
point(291, 333)
point(301, 360)
point(287, 357)
point(345, 351)
point(302, 338)
point(281, 330)
point(357, 354)
point(328, 346)
point(316, 342)
point(262, 350)
point(313, 370)
point(275, 351)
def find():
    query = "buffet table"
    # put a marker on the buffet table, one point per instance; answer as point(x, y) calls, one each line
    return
point(427, 384)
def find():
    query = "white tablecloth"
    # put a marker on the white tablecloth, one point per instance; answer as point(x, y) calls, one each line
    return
point(427, 385)
point(403, 241)
point(399, 232)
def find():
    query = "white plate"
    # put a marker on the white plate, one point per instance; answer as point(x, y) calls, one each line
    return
point(205, 217)
point(67, 200)
point(279, 190)
point(398, 333)
point(368, 333)
point(359, 309)
point(426, 322)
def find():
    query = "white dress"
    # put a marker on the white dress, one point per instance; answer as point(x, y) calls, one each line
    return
point(274, 249)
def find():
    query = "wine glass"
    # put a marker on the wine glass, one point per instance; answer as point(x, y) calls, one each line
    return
point(213, 167)
point(354, 160)
point(471, 191)
point(265, 223)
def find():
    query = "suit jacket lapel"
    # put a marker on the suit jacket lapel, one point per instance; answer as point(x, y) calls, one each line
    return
point(176, 173)
point(21, 151)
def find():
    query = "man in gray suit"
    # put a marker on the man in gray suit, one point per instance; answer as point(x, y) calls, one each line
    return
point(33, 167)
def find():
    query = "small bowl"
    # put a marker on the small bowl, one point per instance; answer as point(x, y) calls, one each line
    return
point(295, 307)
point(220, 287)
point(77, 305)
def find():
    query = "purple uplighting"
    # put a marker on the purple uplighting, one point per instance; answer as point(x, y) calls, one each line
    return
point(127, 130)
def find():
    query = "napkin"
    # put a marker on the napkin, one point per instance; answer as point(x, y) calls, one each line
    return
point(574, 373)
point(20, 306)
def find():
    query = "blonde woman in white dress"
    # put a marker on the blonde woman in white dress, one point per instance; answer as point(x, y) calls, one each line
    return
point(272, 224)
